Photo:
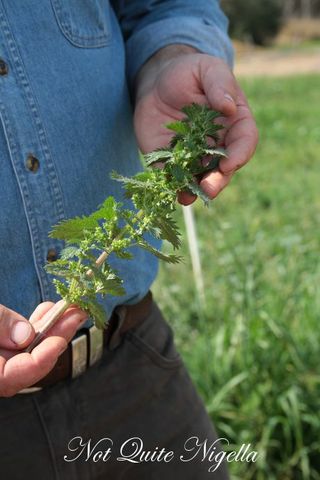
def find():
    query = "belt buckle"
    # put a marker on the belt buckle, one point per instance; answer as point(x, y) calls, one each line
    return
point(86, 350)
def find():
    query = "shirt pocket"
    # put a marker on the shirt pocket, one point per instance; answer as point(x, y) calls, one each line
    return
point(85, 23)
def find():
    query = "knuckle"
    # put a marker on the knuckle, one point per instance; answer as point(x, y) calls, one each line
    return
point(228, 170)
point(211, 190)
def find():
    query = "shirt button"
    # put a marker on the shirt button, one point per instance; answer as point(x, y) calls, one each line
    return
point(3, 67)
point(32, 163)
point(52, 255)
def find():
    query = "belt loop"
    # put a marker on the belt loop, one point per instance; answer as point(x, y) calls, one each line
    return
point(115, 337)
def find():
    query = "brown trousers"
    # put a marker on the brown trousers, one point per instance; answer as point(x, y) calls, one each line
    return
point(134, 416)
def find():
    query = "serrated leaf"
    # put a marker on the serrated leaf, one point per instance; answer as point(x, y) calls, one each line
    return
point(168, 230)
point(212, 165)
point(139, 180)
point(169, 258)
point(74, 230)
point(59, 268)
point(96, 312)
point(157, 156)
point(107, 282)
point(69, 252)
point(178, 172)
point(212, 131)
point(197, 190)
point(200, 113)
point(124, 255)
point(179, 127)
point(216, 151)
point(107, 210)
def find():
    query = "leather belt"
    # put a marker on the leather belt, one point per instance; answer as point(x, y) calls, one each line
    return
point(87, 347)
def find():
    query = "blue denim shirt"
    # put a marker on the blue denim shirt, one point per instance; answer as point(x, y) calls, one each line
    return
point(66, 121)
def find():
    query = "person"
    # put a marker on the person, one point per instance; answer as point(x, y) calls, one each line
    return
point(83, 84)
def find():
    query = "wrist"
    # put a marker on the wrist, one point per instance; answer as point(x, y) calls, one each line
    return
point(151, 69)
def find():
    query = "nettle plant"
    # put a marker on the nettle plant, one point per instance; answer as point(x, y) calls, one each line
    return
point(80, 273)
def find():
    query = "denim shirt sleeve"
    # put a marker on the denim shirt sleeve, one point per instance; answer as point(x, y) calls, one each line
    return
point(150, 25)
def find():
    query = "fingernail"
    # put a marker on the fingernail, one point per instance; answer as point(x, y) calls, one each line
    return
point(20, 332)
point(228, 97)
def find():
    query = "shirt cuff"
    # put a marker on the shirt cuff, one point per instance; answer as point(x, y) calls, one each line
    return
point(204, 36)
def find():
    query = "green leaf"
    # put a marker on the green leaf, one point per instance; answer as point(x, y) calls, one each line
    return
point(107, 210)
point(75, 229)
point(96, 312)
point(178, 173)
point(216, 151)
point(194, 187)
point(168, 230)
point(124, 255)
point(200, 114)
point(60, 268)
point(140, 180)
point(157, 156)
point(201, 119)
point(68, 252)
point(163, 256)
point(179, 127)
point(107, 282)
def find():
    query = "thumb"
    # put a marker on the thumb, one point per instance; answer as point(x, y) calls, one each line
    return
point(15, 331)
point(219, 85)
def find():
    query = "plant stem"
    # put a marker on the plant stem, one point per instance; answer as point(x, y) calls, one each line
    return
point(56, 313)
point(104, 255)
point(53, 315)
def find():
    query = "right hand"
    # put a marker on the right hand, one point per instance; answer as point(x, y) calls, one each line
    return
point(20, 370)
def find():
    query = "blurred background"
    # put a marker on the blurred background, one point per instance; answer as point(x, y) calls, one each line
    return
point(248, 329)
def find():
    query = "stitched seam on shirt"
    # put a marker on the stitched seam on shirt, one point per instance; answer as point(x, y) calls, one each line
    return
point(40, 136)
point(39, 130)
point(74, 37)
point(47, 435)
point(23, 187)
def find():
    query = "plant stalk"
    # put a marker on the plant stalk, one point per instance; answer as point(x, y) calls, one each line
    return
point(55, 313)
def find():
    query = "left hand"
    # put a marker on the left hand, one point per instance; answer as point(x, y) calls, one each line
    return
point(18, 369)
point(165, 85)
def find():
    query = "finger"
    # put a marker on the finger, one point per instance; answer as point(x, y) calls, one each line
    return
point(214, 182)
point(241, 141)
point(25, 369)
point(66, 325)
point(15, 330)
point(40, 311)
point(69, 323)
point(186, 198)
point(219, 85)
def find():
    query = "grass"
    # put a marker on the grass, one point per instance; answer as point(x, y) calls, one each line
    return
point(253, 350)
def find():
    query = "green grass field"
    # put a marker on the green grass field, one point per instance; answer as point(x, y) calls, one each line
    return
point(253, 350)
